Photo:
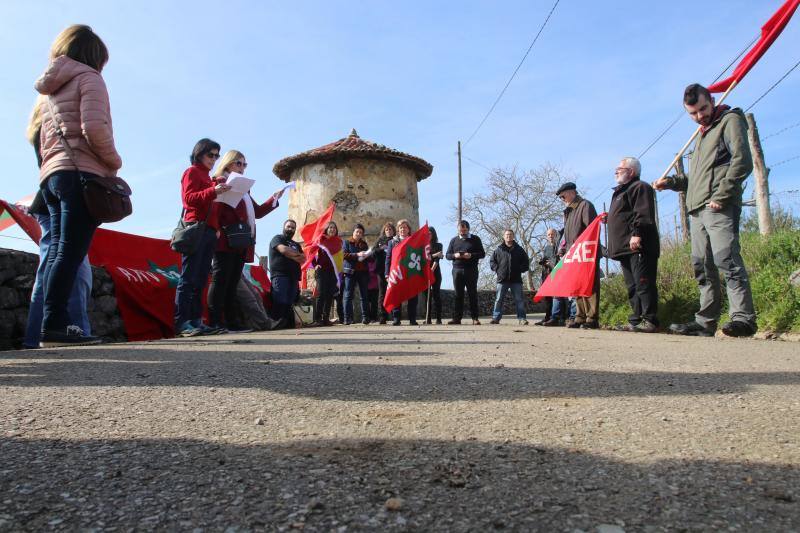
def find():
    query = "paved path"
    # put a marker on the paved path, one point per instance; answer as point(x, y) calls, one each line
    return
point(383, 428)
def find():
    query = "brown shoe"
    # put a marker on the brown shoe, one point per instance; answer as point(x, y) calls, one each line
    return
point(476, 322)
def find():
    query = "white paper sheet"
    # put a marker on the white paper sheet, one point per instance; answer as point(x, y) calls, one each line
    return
point(239, 187)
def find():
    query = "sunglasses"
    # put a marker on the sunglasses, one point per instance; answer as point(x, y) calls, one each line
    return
point(213, 155)
point(240, 164)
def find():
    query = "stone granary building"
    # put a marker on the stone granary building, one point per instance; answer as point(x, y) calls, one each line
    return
point(369, 183)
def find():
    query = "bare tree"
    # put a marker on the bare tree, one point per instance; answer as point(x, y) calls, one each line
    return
point(521, 200)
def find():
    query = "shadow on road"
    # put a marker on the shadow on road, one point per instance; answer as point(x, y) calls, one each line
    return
point(325, 485)
point(354, 377)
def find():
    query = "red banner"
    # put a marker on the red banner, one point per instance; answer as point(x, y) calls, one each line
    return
point(769, 32)
point(146, 272)
point(574, 274)
point(410, 272)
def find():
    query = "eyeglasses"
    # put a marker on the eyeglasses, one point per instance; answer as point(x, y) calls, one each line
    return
point(213, 155)
point(241, 164)
point(620, 170)
point(562, 196)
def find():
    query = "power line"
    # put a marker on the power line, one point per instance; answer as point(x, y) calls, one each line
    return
point(681, 114)
point(784, 161)
point(787, 128)
point(512, 75)
point(476, 162)
point(773, 86)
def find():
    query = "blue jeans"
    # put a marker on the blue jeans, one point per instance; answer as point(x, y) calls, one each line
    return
point(516, 290)
point(557, 308)
point(76, 305)
point(71, 232)
point(194, 276)
point(360, 279)
point(284, 293)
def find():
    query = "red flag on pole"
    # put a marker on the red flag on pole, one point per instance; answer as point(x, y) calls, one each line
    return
point(313, 232)
point(410, 271)
point(9, 214)
point(769, 32)
point(574, 274)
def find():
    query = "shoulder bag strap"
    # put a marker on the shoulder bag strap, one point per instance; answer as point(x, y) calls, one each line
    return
point(62, 137)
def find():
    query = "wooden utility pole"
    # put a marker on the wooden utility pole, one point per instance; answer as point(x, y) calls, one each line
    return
point(459, 183)
point(761, 173)
point(682, 203)
point(605, 232)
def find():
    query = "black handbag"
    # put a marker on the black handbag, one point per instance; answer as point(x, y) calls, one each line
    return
point(108, 199)
point(238, 235)
point(186, 236)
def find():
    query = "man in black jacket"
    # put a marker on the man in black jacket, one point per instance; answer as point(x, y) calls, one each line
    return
point(509, 261)
point(465, 250)
point(633, 241)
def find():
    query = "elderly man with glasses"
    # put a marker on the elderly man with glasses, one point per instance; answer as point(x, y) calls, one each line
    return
point(633, 241)
point(578, 214)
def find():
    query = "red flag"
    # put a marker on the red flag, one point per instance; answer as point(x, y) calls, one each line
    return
point(769, 32)
point(410, 271)
point(11, 213)
point(146, 272)
point(313, 232)
point(574, 274)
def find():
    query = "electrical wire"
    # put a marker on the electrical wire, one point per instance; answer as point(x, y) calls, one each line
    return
point(514, 74)
point(787, 128)
point(773, 86)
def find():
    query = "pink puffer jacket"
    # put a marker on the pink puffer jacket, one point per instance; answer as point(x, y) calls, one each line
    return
point(80, 100)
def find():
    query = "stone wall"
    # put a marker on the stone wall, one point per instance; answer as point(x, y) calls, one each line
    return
point(17, 274)
point(368, 191)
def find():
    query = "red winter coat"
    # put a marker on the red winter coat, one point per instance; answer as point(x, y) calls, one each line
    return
point(227, 215)
point(197, 194)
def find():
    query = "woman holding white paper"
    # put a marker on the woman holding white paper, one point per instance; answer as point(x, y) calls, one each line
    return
point(235, 243)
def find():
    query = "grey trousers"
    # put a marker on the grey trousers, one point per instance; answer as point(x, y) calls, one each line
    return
point(715, 247)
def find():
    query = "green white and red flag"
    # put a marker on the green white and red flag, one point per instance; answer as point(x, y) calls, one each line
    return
point(11, 214)
point(574, 274)
point(769, 32)
point(410, 269)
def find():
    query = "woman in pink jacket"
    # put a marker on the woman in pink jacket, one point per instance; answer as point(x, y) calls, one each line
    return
point(77, 99)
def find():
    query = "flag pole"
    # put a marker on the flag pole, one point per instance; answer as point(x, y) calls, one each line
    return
point(695, 134)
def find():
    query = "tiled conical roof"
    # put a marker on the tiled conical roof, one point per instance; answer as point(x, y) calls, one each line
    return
point(350, 147)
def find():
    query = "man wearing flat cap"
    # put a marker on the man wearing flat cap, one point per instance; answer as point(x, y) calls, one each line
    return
point(578, 214)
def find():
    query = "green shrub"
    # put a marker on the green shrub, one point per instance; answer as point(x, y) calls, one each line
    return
point(769, 260)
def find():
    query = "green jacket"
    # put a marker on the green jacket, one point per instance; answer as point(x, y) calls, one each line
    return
point(720, 163)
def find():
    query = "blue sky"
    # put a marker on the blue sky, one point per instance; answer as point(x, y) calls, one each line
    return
point(275, 78)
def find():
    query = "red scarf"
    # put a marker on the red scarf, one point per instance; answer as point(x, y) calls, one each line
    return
point(718, 111)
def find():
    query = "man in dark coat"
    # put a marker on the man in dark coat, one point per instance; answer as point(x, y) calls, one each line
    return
point(578, 214)
point(633, 241)
point(509, 261)
point(465, 250)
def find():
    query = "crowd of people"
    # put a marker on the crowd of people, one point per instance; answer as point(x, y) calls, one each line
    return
point(71, 131)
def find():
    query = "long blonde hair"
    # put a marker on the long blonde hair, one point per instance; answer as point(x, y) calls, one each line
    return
point(35, 123)
point(229, 157)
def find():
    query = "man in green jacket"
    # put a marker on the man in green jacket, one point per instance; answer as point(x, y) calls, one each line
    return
point(720, 163)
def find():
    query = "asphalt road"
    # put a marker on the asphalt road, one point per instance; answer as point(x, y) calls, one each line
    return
point(380, 428)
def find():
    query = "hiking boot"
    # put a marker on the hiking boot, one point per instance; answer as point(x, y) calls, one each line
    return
point(70, 336)
point(454, 322)
point(737, 328)
point(691, 328)
point(494, 321)
point(574, 325)
point(591, 324)
point(645, 326)
point(630, 328)
point(553, 323)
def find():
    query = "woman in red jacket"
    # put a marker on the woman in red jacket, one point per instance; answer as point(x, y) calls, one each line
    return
point(226, 268)
point(198, 193)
